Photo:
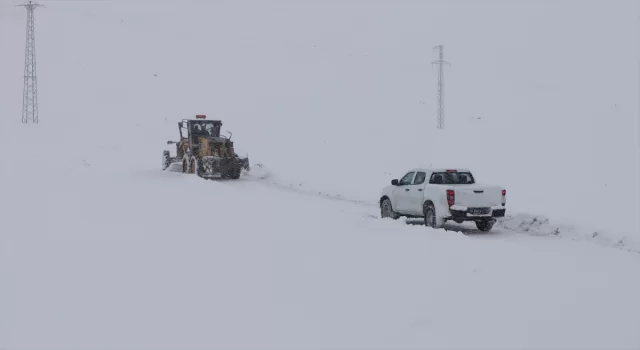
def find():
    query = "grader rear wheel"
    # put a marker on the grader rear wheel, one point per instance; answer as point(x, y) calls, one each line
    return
point(196, 167)
point(192, 165)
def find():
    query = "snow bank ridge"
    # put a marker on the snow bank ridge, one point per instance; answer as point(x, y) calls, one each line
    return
point(522, 223)
point(541, 226)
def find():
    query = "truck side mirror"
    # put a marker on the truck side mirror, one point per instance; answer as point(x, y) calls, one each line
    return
point(394, 182)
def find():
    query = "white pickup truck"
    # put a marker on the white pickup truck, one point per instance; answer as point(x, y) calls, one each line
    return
point(439, 195)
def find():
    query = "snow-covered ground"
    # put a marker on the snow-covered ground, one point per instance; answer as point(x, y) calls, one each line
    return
point(108, 254)
point(100, 249)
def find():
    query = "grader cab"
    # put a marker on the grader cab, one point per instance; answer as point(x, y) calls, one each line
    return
point(204, 152)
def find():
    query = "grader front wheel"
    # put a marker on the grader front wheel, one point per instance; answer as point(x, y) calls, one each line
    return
point(165, 160)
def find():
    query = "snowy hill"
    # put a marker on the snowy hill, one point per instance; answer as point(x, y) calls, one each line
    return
point(100, 249)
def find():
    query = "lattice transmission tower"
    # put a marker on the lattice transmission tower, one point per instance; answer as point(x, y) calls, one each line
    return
point(30, 92)
point(441, 62)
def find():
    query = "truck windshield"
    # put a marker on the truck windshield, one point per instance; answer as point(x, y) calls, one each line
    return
point(450, 178)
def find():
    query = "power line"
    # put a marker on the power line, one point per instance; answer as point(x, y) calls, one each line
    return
point(30, 90)
point(441, 62)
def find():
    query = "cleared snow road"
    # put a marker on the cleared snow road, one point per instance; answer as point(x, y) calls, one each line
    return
point(164, 260)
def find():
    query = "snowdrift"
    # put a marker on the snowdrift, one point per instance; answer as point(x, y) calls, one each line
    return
point(100, 249)
point(514, 222)
point(122, 255)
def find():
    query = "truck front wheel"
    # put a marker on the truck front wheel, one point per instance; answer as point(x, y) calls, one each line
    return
point(386, 211)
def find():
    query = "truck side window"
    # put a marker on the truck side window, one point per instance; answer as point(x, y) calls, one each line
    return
point(406, 180)
point(420, 177)
point(436, 179)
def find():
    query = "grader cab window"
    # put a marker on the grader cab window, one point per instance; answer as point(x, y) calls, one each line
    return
point(205, 128)
point(210, 129)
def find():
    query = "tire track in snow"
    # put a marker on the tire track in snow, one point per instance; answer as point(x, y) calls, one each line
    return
point(515, 223)
point(512, 223)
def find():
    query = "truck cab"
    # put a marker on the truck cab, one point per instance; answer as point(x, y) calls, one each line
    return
point(439, 195)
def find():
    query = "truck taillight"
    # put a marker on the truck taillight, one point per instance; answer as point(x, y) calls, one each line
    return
point(451, 197)
point(504, 197)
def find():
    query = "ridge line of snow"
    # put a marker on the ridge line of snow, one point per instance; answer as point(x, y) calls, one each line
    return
point(519, 223)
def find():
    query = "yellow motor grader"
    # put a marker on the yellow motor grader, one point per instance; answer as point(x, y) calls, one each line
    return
point(202, 151)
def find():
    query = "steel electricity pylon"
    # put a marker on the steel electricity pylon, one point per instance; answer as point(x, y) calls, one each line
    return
point(30, 92)
point(441, 62)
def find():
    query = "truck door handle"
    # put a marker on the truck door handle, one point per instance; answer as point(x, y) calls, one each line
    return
point(420, 189)
point(406, 189)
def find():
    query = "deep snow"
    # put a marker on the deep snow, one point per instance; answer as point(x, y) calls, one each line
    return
point(100, 249)
point(341, 95)
point(123, 256)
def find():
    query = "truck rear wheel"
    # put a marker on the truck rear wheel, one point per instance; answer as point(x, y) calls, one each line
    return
point(430, 217)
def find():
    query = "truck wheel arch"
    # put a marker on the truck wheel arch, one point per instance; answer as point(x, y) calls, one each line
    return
point(427, 203)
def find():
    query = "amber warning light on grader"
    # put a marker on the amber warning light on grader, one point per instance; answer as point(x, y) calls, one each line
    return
point(201, 116)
